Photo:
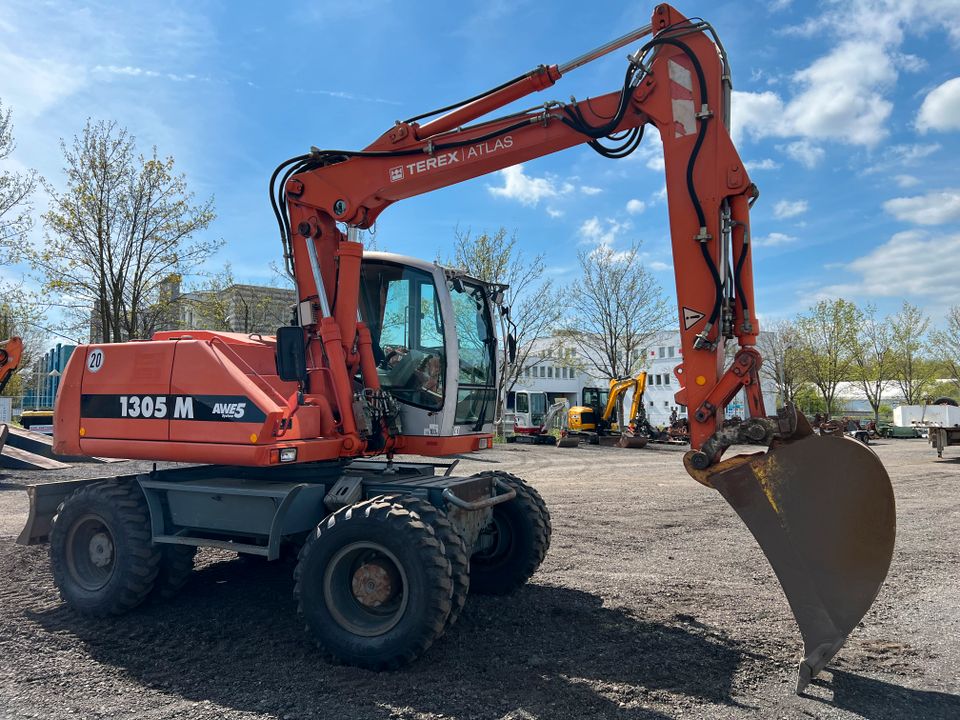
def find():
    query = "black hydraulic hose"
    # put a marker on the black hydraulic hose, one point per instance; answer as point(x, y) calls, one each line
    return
point(736, 276)
point(691, 164)
point(482, 95)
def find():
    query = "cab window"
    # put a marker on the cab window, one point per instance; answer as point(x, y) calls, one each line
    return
point(401, 308)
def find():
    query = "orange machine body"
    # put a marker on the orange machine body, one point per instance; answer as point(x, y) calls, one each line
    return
point(206, 397)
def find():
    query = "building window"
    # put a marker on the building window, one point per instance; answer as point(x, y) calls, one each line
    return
point(550, 371)
point(573, 374)
point(656, 379)
point(663, 352)
point(666, 403)
point(543, 371)
point(563, 373)
point(670, 351)
point(666, 378)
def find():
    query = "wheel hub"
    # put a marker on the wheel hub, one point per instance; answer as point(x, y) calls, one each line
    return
point(365, 588)
point(101, 550)
point(91, 552)
point(372, 584)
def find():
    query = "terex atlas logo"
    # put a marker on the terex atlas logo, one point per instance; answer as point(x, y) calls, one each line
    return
point(451, 157)
point(229, 410)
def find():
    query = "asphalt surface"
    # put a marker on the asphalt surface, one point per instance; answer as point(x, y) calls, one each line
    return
point(653, 602)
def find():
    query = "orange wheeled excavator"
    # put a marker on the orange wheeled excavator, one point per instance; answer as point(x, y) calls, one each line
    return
point(390, 355)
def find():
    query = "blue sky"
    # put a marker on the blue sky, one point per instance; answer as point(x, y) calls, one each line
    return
point(847, 113)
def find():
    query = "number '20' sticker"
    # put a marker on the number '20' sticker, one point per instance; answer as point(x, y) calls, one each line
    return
point(95, 360)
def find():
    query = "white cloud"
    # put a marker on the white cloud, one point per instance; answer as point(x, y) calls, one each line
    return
point(934, 208)
point(650, 152)
point(910, 263)
point(601, 232)
point(909, 63)
point(635, 207)
point(906, 181)
point(844, 99)
point(755, 114)
point(554, 212)
point(765, 164)
point(33, 85)
point(588, 190)
point(844, 95)
point(804, 152)
point(777, 5)
point(660, 266)
point(783, 209)
point(528, 190)
point(773, 240)
point(941, 108)
point(896, 157)
point(841, 98)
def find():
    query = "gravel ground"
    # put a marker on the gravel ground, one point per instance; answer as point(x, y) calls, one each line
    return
point(653, 602)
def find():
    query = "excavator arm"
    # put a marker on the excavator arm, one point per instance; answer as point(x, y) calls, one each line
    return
point(617, 389)
point(636, 406)
point(822, 509)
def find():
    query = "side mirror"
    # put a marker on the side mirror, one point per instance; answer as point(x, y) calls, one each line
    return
point(291, 354)
point(511, 348)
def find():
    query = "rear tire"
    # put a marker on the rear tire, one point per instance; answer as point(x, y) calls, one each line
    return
point(373, 585)
point(518, 540)
point(453, 548)
point(174, 570)
point(101, 551)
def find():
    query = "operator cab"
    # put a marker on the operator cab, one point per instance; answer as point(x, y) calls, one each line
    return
point(434, 342)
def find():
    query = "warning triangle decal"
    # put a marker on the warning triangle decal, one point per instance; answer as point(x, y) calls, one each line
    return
point(691, 317)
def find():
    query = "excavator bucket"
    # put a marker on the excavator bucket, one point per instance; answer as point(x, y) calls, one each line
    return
point(822, 510)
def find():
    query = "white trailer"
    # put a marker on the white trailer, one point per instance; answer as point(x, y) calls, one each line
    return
point(940, 422)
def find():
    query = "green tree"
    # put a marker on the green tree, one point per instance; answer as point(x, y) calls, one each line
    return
point(781, 365)
point(913, 370)
point(873, 356)
point(825, 337)
point(945, 346)
point(22, 315)
point(119, 228)
point(16, 189)
point(809, 400)
point(219, 302)
point(615, 308)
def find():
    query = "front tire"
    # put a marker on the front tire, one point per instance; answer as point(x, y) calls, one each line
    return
point(103, 558)
point(453, 548)
point(373, 585)
point(514, 544)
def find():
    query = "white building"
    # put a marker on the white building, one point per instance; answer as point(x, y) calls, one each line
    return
point(559, 370)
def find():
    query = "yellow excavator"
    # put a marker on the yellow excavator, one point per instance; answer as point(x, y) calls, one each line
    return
point(588, 423)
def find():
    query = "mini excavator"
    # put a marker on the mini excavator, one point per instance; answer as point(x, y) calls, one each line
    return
point(389, 355)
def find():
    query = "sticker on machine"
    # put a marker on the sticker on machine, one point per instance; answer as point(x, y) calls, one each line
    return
point(95, 360)
point(691, 317)
point(207, 408)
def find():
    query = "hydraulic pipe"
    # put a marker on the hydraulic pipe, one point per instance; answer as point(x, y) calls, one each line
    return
point(605, 49)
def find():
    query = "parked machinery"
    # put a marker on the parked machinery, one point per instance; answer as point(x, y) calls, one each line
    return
point(593, 421)
point(394, 355)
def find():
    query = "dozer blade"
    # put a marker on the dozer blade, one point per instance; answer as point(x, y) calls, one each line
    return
point(822, 510)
